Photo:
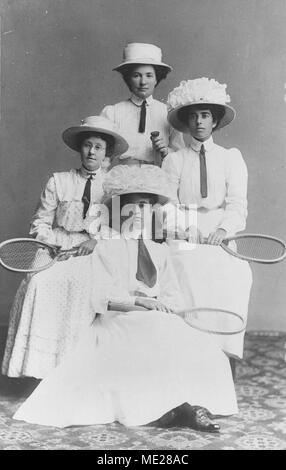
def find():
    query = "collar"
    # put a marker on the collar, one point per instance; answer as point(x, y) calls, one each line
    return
point(138, 101)
point(196, 144)
point(85, 173)
point(134, 234)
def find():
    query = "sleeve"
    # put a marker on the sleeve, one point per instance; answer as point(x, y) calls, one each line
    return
point(41, 226)
point(170, 292)
point(111, 292)
point(108, 112)
point(109, 286)
point(172, 165)
point(235, 215)
point(176, 141)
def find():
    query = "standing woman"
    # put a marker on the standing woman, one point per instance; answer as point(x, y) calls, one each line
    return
point(51, 306)
point(142, 70)
point(212, 179)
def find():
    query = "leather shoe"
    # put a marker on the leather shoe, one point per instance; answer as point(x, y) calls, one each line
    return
point(201, 421)
point(168, 420)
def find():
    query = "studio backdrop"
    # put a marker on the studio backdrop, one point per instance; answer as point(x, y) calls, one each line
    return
point(56, 68)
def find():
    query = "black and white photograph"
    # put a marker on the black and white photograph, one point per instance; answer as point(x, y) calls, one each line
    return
point(143, 229)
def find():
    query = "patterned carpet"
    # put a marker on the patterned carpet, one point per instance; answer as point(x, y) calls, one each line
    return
point(260, 425)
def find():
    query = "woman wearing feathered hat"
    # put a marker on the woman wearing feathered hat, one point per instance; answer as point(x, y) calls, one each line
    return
point(142, 70)
point(214, 180)
point(144, 366)
point(49, 307)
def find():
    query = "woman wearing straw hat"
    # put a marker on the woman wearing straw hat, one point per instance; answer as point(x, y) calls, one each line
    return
point(214, 180)
point(66, 201)
point(142, 70)
point(143, 366)
point(50, 306)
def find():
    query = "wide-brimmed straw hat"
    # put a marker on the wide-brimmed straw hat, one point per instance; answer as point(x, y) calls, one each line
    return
point(197, 92)
point(147, 179)
point(141, 53)
point(97, 124)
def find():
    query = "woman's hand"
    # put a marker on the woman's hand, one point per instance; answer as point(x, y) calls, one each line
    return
point(151, 304)
point(160, 145)
point(64, 256)
point(86, 248)
point(216, 238)
point(194, 235)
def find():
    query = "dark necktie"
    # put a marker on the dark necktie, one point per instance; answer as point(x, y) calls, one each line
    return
point(142, 122)
point(203, 172)
point(86, 195)
point(146, 271)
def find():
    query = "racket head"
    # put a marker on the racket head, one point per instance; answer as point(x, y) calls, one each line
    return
point(26, 255)
point(256, 247)
point(214, 320)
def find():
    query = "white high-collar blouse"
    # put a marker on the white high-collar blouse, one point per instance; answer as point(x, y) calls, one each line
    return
point(60, 205)
point(119, 259)
point(126, 115)
point(226, 180)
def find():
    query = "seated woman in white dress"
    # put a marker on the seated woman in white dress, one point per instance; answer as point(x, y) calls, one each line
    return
point(211, 181)
point(50, 306)
point(146, 365)
point(142, 70)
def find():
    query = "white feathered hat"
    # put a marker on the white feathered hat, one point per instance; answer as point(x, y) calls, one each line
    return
point(196, 92)
point(147, 179)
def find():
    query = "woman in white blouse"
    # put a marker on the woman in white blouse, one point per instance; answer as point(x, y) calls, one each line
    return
point(142, 70)
point(63, 214)
point(50, 307)
point(211, 181)
point(143, 366)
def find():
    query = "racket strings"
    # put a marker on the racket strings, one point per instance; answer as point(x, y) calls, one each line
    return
point(260, 248)
point(25, 255)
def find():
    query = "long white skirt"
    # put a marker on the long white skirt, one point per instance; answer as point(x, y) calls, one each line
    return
point(133, 368)
point(210, 277)
point(48, 312)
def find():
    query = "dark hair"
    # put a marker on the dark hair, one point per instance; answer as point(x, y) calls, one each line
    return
point(216, 110)
point(160, 72)
point(125, 198)
point(107, 138)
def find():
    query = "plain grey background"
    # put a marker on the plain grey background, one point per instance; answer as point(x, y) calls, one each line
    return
point(56, 68)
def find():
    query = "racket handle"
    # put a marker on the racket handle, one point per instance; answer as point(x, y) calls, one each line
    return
point(74, 249)
point(156, 154)
point(155, 134)
point(205, 241)
point(123, 307)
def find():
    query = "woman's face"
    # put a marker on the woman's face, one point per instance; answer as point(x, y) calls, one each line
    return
point(201, 123)
point(92, 153)
point(136, 213)
point(142, 81)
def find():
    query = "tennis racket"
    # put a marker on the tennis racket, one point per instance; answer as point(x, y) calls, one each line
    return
point(255, 247)
point(258, 248)
point(26, 255)
point(207, 319)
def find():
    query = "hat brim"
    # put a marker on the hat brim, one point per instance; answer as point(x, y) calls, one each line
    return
point(70, 137)
point(181, 126)
point(123, 65)
point(162, 198)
